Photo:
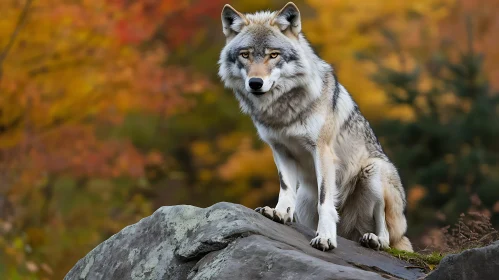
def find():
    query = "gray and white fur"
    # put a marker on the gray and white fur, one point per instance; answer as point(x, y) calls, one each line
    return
point(330, 163)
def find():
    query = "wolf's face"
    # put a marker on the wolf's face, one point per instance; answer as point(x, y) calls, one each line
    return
point(261, 58)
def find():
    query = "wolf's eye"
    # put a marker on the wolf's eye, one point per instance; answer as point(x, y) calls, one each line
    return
point(274, 55)
point(245, 54)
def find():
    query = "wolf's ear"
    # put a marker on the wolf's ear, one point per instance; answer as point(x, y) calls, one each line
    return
point(288, 19)
point(232, 21)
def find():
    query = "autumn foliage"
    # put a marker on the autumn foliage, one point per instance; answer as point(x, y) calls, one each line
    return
point(110, 109)
point(70, 72)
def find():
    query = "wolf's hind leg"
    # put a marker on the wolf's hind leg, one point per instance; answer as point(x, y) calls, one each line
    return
point(284, 210)
point(380, 239)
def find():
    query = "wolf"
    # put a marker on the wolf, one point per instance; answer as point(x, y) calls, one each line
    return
point(329, 161)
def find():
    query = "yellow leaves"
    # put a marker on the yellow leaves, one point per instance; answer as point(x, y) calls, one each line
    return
point(449, 99)
point(202, 152)
point(229, 141)
point(18, 243)
point(68, 67)
point(205, 175)
point(344, 28)
point(75, 69)
point(251, 172)
point(247, 162)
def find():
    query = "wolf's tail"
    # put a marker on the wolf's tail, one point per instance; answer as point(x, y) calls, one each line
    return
point(403, 244)
point(395, 219)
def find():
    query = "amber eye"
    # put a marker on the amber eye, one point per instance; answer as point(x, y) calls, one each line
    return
point(274, 55)
point(245, 54)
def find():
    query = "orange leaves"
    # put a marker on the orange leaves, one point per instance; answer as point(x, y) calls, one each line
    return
point(70, 67)
point(76, 150)
point(155, 88)
point(415, 194)
point(70, 171)
point(485, 27)
point(154, 158)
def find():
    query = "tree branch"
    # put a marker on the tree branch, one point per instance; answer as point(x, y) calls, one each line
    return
point(20, 22)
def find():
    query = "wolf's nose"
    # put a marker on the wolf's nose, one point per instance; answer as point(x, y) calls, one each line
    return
point(255, 83)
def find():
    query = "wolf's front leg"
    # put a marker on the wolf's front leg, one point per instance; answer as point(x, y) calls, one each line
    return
point(284, 210)
point(324, 160)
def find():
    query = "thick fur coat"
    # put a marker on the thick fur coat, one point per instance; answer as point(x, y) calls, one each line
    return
point(334, 175)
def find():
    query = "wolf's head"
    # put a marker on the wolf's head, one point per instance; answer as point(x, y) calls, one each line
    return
point(264, 56)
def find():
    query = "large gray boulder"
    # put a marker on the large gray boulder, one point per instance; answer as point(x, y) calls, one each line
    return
point(229, 241)
point(478, 263)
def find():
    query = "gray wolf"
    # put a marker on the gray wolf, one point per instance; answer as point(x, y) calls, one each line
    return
point(330, 163)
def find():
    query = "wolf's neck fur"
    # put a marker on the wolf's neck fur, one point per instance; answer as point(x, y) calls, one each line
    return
point(288, 104)
point(318, 70)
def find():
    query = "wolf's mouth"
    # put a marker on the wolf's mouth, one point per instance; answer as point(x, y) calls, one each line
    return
point(258, 93)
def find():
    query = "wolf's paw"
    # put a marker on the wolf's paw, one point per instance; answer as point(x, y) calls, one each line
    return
point(275, 215)
point(371, 240)
point(323, 243)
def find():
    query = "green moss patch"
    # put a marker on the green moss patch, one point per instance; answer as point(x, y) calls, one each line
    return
point(427, 262)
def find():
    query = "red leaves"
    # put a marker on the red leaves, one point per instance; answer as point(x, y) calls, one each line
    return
point(76, 150)
point(77, 69)
point(175, 21)
point(94, 72)
point(182, 26)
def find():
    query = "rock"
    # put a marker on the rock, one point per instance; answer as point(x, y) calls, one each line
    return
point(478, 263)
point(229, 241)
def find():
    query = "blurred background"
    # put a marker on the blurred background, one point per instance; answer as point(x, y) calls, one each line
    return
point(110, 109)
